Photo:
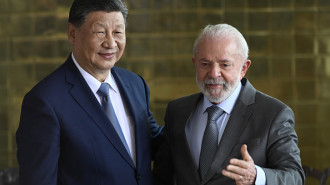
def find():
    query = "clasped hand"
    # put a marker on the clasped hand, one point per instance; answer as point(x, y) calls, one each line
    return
point(242, 171)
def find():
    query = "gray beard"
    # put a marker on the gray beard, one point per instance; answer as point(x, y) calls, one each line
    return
point(217, 96)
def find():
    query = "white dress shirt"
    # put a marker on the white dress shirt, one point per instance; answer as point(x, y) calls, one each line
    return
point(123, 116)
point(197, 123)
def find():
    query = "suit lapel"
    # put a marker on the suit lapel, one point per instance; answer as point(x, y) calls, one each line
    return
point(128, 95)
point(236, 124)
point(86, 99)
point(136, 101)
point(127, 92)
point(187, 109)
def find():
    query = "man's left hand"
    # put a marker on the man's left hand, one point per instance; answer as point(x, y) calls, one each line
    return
point(242, 171)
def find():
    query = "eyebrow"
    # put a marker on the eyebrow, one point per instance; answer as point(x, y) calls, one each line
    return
point(120, 26)
point(99, 25)
point(103, 25)
point(207, 60)
point(204, 60)
point(225, 60)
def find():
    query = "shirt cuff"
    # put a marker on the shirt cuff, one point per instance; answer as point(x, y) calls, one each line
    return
point(261, 176)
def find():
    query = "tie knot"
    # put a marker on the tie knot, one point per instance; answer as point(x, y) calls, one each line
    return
point(214, 112)
point(104, 90)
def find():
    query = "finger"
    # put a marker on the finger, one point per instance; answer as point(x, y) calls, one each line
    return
point(231, 175)
point(237, 168)
point(239, 163)
point(245, 154)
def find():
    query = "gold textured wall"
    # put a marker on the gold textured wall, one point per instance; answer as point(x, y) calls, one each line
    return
point(289, 47)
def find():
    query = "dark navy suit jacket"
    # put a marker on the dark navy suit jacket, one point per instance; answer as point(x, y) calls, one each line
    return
point(64, 136)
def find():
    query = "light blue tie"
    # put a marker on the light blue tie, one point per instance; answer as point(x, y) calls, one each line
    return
point(108, 108)
point(210, 140)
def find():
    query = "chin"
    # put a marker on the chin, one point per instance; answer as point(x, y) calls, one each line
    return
point(217, 96)
point(109, 64)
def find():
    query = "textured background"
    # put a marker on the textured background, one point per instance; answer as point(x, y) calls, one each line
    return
point(289, 47)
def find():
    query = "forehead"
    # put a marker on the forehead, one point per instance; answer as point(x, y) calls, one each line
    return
point(105, 18)
point(218, 46)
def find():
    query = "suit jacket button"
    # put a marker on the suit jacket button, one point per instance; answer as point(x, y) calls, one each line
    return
point(138, 176)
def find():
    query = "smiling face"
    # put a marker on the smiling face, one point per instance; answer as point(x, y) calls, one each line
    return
point(99, 43)
point(219, 68)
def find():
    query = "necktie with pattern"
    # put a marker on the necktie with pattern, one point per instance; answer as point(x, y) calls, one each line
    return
point(210, 140)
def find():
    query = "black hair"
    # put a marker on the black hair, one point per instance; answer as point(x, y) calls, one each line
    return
point(81, 8)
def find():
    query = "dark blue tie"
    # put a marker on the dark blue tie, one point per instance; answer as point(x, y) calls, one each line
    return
point(210, 140)
point(108, 108)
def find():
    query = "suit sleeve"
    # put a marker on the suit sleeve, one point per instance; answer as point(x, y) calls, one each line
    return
point(156, 131)
point(38, 142)
point(283, 154)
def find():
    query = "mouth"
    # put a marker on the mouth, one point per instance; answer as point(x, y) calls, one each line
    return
point(214, 86)
point(107, 56)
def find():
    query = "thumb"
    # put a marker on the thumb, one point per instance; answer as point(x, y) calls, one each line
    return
point(245, 154)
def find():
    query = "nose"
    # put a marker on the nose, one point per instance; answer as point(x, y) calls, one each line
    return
point(109, 42)
point(215, 71)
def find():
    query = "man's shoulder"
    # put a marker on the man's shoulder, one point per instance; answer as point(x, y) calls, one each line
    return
point(269, 101)
point(252, 95)
point(50, 81)
point(55, 82)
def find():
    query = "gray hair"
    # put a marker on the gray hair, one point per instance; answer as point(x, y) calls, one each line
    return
point(223, 31)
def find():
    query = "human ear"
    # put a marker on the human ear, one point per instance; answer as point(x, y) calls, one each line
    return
point(71, 32)
point(245, 67)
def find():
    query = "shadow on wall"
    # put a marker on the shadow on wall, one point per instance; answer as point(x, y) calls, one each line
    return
point(319, 175)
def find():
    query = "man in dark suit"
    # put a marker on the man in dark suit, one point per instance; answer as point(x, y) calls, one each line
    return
point(255, 140)
point(65, 135)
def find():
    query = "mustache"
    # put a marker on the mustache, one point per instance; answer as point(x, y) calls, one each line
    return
point(215, 81)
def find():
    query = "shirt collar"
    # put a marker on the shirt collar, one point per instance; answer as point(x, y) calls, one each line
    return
point(92, 82)
point(228, 104)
